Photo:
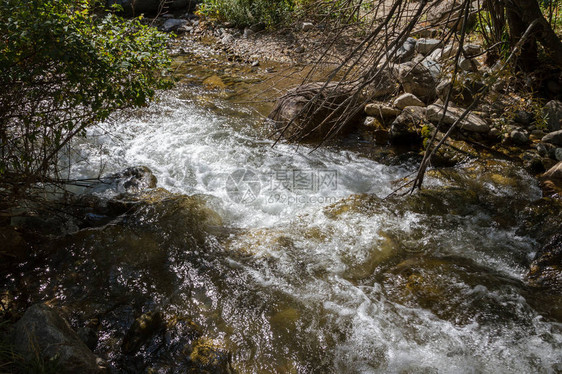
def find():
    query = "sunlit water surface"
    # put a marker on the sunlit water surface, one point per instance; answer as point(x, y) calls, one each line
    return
point(313, 272)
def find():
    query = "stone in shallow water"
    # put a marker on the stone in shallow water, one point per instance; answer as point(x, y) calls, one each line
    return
point(546, 268)
point(43, 331)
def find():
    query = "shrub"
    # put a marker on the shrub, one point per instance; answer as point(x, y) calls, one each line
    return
point(248, 12)
point(63, 67)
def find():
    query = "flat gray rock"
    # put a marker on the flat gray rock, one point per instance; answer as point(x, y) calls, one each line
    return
point(471, 123)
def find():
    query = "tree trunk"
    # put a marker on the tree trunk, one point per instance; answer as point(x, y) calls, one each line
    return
point(527, 59)
point(522, 13)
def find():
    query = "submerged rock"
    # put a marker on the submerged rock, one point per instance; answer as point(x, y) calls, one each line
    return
point(209, 357)
point(42, 331)
point(141, 331)
point(454, 289)
point(546, 268)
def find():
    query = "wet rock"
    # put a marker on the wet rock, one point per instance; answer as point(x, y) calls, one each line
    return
point(309, 105)
point(407, 126)
point(208, 356)
point(426, 46)
point(406, 100)
point(519, 137)
point(552, 179)
point(173, 24)
point(553, 112)
point(546, 268)
point(558, 154)
point(141, 331)
point(43, 331)
point(130, 180)
point(406, 52)
point(471, 123)
point(13, 243)
point(418, 80)
point(381, 110)
point(554, 137)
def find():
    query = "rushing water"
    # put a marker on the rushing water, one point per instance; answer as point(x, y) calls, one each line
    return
point(316, 272)
point(294, 262)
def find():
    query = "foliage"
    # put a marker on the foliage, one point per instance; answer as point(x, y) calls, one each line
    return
point(248, 12)
point(279, 12)
point(63, 67)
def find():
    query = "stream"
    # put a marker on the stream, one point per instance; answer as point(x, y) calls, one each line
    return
point(282, 260)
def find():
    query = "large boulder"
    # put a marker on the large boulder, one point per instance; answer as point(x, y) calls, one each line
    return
point(42, 331)
point(471, 122)
point(131, 180)
point(301, 113)
point(419, 78)
point(153, 6)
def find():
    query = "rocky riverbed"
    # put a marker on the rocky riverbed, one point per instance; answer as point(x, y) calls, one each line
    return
point(159, 268)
